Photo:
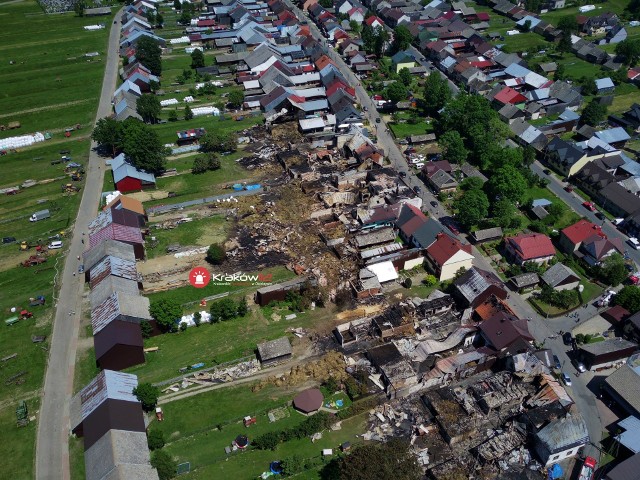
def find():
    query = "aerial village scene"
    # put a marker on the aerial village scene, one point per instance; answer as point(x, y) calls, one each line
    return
point(320, 239)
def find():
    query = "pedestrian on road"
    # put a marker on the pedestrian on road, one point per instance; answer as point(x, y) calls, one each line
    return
point(74, 274)
point(78, 257)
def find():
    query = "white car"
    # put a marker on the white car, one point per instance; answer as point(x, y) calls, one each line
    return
point(566, 379)
point(55, 245)
point(635, 244)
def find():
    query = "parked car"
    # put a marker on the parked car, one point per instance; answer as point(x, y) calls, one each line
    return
point(589, 206)
point(600, 215)
point(433, 203)
point(579, 366)
point(403, 142)
point(546, 171)
point(81, 269)
point(568, 189)
point(633, 242)
point(566, 338)
point(378, 120)
point(55, 245)
point(418, 190)
point(566, 379)
point(556, 362)
point(403, 174)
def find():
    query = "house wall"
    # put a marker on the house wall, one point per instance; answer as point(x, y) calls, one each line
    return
point(548, 458)
point(567, 245)
point(112, 414)
point(568, 286)
point(415, 262)
point(120, 357)
point(591, 361)
point(129, 184)
point(449, 270)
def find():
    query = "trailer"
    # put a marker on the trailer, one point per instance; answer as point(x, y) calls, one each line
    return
point(588, 469)
point(33, 260)
point(36, 302)
point(12, 320)
point(41, 215)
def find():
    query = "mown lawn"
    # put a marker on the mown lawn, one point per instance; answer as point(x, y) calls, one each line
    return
point(191, 428)
point(200, 232)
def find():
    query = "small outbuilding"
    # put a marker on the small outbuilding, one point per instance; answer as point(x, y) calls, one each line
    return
point(309, 401)
point(561, 277)
point(607, 353)
point(274, 351)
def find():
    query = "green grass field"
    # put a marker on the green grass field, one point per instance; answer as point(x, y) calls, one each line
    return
point(201, 232)
point(191, 430)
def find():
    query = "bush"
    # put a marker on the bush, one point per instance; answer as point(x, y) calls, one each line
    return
point(267, 441)
point(146, 328)
point(223, 310)
point(183, 327)
point(165, 464)
point(148, 395)
point(580, 338)
point(166, 312)
point(155, 439)
point(430, 280)
point(197, 318)
point(216, 254)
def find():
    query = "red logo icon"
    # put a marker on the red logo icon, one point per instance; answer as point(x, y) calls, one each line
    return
point(199, 277)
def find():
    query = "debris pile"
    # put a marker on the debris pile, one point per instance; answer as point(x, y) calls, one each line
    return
point(331, 365)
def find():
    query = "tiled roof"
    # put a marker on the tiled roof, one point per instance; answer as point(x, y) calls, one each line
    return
point(446, 247)
point(581, 230)
point(116, 232)
point(532, 245)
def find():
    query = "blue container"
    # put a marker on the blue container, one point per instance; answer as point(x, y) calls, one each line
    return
point(237, 187)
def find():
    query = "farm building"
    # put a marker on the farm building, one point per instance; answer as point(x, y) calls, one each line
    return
point(106, 403)
point(309, 401)
point(113, 266)
point(110, 285)
point(106, 248)
point(129, 179)
point(120, 233)
point(119, 454)
point(128, 204)
point(190, 137)
point(601, 354)
point(274, 351)
point(118, 217)
point(278, 291)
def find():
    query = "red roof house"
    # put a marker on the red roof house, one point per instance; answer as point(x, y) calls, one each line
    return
point(409, 220)
point(446, 256)
point(572, 237)
point(509, 96)
point(506, 333)
point(530, 247)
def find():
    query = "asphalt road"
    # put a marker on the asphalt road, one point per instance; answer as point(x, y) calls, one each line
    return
point(574, 201)
point(52, 446)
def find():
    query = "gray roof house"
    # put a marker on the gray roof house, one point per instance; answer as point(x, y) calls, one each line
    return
point(624, 387)
point(561, 438)
point(427, 233)
point(111, 285)
point(120, 455)
point(274, 350)
point(560, 277)
point(120, 306)
point(107, 248)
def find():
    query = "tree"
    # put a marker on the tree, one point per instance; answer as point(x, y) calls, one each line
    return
point(200, 165)
point(108, 134)
point(630, 50)
point(148, 53)
point(243, 307)
point(401, 39)
point(568, 24)
point(392, 459)
point(185, 18)
point(612, 270)
point(267, 441)
point(142, 146)
point(188, 113)
point(149, 108)
point(197, 59)
point(629, 298)
point(507, 183)
point(177, 5)
point(155, 439)
point(528, 155)
point(326, 3)
point(381, 38)
point(292, 465)
point(593, 113)
point(560, 73)
point(147, 395)
point(146, 328)
point(216, 254)
point(396, 92)
point(471, 183)
point(173, 115)
point(216, 142)
point(564, 45)
point(159, 20)
point(223, 310)
point(472, 206)
point(197, 318)
point(166, 313)
point(355, 27)
point(405, 76)
point(78, 7)
point(503, 211)
point(430, 280)
point(236, 98)
point(436, 92)
point(453, 148)
point(164, 464)
point(527, 26)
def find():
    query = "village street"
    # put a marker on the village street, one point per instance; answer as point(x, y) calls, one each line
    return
point(52, 444)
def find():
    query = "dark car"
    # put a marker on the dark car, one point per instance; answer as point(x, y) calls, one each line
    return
point(378, 120)
point(403, 174)
point(546, 171)
point(418, 190)
point(566, 338)
point(8, 239)
point(81, 269)
point(600, 215)
point(433, 203)
point(568, 188)
point(556, 362)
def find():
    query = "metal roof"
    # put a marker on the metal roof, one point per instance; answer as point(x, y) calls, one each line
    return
point(607, 346)
point(120, 233)
point(119, 451)
point(556, 274)
point(108, 385)
point(132, 308)
point(630, 438)
point(274, 348)
point(105, 248)
point(110, 285)
point(564, 433)
point(115, 266)
point(625, 382)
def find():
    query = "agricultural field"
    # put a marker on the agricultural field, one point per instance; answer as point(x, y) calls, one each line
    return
point(48, 86)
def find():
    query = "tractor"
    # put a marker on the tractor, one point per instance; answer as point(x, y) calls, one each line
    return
point(26, 246)
point(34, 260)
point(70, 188)
point(24, 314)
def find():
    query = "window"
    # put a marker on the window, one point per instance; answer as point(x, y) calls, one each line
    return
point(570, 452)
point(556, 457)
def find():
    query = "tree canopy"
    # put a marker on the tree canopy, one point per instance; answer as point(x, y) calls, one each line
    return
point(593, 113)
point(166, 313)
point(164, 464)
point(149, 108)
point(142, 146)
point(401, 39)
point(374, 39)
point(630, 50)
point(472, 206)
point(148, 53)
point(453, 149)
point(612, 270)
point(215, 254)
point(108, 134)
point(396, 92)
point(404, 75)
point(391, 459)
point(148, 395)
point(197, 59)
point(218, 142)
point(436, 92)
point(507, 183)
point(629, 298)
point(236, 98)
